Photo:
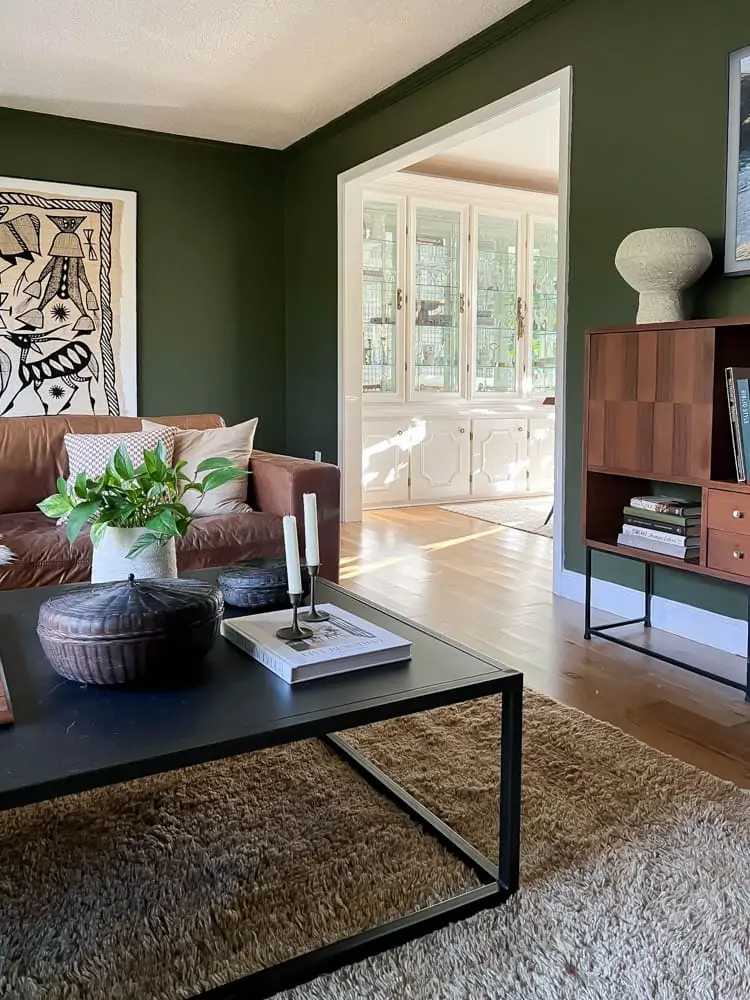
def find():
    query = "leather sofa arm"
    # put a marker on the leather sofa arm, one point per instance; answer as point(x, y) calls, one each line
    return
point(276, 487)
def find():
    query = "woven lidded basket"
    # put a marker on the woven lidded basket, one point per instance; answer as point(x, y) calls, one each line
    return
point(255, 583)
point(121, 633)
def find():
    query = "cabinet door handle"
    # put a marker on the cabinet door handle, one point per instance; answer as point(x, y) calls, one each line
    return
point(738, 514)
point(399, 298)
point(399, 432)
point(738, 554)
point(520, 317)
point(461, 430)
point(462, 302)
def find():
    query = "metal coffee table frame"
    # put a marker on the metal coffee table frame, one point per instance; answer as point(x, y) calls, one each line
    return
point(67, 740)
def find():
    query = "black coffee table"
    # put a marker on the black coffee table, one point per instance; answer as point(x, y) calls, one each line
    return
point(67, 738)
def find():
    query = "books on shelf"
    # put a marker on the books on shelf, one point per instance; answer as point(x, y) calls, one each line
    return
point(667, 505)
point(660, 546)
point(738, 400)
point(669, 526)
point(654, 515)
point(690, 528)
point(343, 643)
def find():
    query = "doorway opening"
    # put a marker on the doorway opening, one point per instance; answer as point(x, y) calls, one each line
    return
point(452, 306)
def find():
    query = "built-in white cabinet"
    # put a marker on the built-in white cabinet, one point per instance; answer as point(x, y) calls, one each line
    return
point(434, 458)
point(385, 462)
point(459, 329)
point(439, 459)
point(499, 457)
point(541, 451)
point(459, 297)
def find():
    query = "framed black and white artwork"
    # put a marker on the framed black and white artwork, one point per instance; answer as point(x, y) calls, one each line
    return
point(67, 299)
point(737, 252)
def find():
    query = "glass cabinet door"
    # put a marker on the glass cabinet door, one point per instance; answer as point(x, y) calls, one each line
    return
point(381, 296)
point(543, 306)
point(437, 304)
point(496, 341)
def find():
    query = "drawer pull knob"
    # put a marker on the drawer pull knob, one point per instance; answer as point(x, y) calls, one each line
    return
point(738, 514)
point(738, 554)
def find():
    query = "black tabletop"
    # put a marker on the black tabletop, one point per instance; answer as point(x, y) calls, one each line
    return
point(69, 737)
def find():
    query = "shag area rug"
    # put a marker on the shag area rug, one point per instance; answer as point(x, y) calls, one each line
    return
point(524, 515)
point(635, 872)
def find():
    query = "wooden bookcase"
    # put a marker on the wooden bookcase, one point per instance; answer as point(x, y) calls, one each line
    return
point(656, 414)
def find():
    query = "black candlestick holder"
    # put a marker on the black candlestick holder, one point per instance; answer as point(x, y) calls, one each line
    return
point(295, 631)
point(313, 615)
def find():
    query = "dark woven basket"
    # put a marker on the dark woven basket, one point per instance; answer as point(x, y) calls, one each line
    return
point(123, 633)
point(260, 584)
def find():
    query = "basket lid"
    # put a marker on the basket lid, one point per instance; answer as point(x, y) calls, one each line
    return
point(131, 607)
point(260, 573)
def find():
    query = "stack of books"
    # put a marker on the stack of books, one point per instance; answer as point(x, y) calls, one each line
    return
point(667, 525)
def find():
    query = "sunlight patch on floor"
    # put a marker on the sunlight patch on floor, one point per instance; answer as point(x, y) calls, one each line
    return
point(450, 542)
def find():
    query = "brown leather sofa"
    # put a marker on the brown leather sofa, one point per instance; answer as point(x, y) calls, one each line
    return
point(33, 455)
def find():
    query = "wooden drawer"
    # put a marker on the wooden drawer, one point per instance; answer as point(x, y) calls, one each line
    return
point(729, 511)
point(729, 551)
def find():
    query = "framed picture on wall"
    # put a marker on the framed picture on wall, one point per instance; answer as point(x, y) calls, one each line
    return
point(67, 299)
point(737, 252)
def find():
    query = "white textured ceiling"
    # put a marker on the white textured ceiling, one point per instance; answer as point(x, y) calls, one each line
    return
point(262, 72)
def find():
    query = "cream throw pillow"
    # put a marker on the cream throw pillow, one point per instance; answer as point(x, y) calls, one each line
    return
point(234, 443)
point(91, 453)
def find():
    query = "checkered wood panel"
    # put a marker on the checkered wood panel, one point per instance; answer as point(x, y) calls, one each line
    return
point(650, 402)
point(6, 711)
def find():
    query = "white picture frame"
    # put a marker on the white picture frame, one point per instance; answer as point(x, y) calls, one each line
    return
point(737, 227)
point(67, 277)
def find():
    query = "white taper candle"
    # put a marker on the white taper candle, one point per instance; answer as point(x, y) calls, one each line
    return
point(291, 551)
point(312, 551)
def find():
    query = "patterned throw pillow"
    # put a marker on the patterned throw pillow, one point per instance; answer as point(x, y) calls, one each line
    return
point(91, 453)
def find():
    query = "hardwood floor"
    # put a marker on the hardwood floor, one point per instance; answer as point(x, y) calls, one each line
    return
point(490, 587)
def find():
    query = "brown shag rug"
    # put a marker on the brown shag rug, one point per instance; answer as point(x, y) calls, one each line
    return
point(636, 872)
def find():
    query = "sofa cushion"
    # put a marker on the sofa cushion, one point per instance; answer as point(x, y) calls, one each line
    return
point(92, 453)
point(195, 446)
point(45, 557)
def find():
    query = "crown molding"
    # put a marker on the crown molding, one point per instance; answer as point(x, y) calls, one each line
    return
point(516, 22)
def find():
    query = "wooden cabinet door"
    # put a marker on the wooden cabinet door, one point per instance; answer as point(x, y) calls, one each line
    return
point(499, 456)
point(650, 396)
point(439, 458)
point(385, 462)
point(541, 454)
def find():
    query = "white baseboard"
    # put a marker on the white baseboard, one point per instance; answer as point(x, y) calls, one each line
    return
point(707, 627)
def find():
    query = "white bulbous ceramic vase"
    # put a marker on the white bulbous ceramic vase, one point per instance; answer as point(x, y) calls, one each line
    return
point(110, 562)
point(660, 264)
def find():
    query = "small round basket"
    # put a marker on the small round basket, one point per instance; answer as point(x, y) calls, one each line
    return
point(130, 632)
point(256, 583)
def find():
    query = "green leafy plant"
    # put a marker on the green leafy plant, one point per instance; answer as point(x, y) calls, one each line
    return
point(153, 496)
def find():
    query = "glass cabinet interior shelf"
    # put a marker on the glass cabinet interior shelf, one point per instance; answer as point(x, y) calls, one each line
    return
point(497, 291)
point(379, 295)
point(437, 323)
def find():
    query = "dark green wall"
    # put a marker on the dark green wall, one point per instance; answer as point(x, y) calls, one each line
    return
point(210, 258)
point(649, 126)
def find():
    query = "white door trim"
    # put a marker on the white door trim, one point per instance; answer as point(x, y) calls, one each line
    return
point(350, 187)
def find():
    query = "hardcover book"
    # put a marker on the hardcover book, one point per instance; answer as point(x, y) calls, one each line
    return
point(678, 541)
point(662, 547)
point(743, 404)
point(731, 376)
point(665, 527)
point(667, 505)
point(659, 518)
point(343, 643)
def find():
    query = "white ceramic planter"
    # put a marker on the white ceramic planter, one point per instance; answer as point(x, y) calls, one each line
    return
point(660, 264)
point(110, 561)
